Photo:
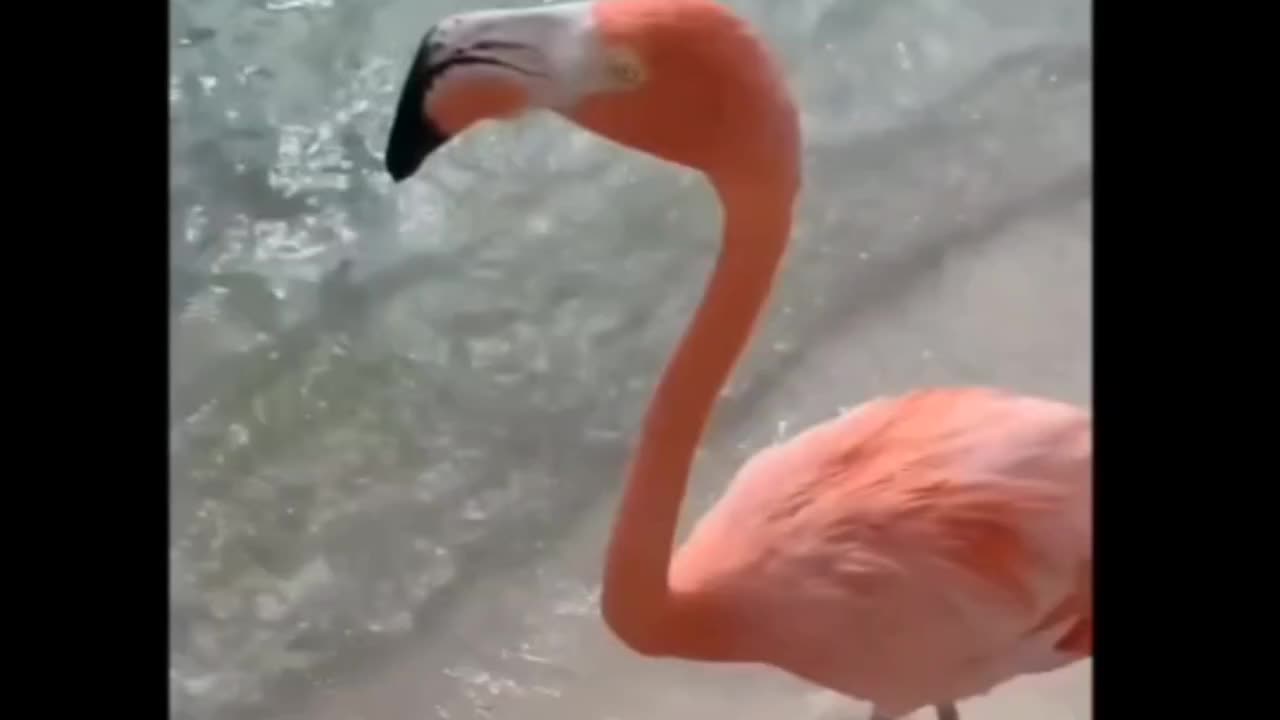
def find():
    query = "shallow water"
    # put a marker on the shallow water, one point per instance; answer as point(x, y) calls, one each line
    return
point(400, 415)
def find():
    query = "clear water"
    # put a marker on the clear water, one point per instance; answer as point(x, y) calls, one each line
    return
point(400, 415)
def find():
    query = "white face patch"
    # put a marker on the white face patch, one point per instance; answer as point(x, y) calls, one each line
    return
point(553, 51)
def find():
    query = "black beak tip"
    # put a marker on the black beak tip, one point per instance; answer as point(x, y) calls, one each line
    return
point(401, 167)
point(412, 140)
point(413, 135)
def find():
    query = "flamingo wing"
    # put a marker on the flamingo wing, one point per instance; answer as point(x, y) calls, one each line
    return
point(920, 549)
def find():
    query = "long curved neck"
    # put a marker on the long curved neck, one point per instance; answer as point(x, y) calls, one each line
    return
point(636, 599)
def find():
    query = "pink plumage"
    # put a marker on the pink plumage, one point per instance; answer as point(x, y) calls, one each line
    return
point(944, 535)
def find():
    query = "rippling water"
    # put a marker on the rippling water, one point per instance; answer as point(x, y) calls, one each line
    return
point(400, 415)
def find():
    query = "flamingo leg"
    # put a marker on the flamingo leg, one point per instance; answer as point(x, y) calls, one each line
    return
point(947, 711)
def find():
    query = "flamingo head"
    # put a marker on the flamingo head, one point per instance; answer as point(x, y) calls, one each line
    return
point(683, 80)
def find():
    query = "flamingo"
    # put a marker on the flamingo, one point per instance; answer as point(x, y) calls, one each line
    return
point(918, 550)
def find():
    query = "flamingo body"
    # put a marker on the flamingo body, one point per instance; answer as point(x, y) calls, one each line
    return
point(918, 549)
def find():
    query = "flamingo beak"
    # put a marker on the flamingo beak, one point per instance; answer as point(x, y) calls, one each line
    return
point(414, 135)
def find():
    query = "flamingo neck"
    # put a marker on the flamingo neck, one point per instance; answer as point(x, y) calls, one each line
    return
point(637, 601)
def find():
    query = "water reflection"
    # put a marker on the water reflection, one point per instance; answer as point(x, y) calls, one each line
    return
point(385, 401)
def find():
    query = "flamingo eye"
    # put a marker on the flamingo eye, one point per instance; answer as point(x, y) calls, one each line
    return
point(625, 68)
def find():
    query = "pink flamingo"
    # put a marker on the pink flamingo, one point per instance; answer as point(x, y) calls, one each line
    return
point(917, 551)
